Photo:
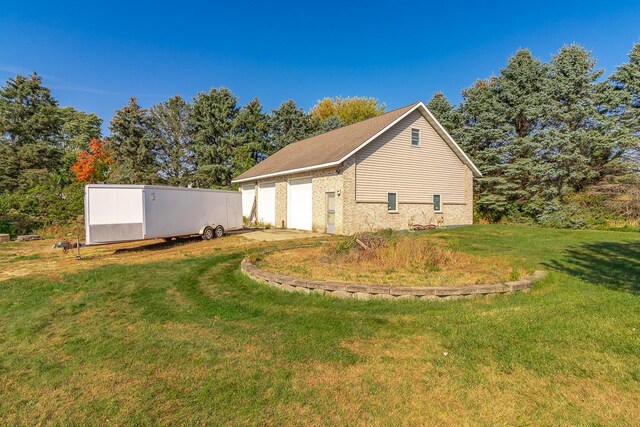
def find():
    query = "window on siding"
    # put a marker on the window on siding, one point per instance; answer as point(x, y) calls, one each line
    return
point(415, 137)
point(392, 202)
point(437, 207)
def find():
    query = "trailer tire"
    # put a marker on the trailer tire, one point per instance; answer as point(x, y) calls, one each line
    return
point(208, 233)
point(219, 231)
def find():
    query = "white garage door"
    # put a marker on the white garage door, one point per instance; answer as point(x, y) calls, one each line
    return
point(267, 203)
point(299, 204)
point(248, 196)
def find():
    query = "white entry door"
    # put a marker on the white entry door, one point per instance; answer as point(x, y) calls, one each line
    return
point(299, 204)
point(267, 203)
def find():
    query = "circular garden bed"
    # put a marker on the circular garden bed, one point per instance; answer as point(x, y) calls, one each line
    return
point(388, 265)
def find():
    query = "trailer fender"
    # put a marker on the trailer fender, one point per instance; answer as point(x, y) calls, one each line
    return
point(205, 226)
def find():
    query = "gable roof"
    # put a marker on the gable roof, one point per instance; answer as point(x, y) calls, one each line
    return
point(332, 148)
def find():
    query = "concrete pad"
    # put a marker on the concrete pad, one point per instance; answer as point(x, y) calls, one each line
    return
point(277, 234)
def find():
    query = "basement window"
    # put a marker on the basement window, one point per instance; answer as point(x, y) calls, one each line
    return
point(437, 207)
point(392, 202)
point(415, 137)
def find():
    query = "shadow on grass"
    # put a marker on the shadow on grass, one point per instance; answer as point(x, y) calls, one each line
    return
point(159, 245)
point(615, 265)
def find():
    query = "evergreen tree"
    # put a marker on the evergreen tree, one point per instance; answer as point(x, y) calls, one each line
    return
point(447, 114)
point(30, 131)
point(78, 128)
point(172, 131)
point(624, 105)
point(521, 101)
point(288, 124)
point(576, 146)
point(483, 139)
point(213, 119)
point(326, 125)
point(132, 146)
point(251, 132)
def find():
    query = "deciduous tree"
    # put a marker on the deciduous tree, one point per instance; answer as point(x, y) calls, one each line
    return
point(94, 163)
point(349, 110)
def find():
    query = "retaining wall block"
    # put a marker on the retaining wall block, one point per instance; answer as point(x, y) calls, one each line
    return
point(357, 288)
point(334, 286)
point(340, 294)
point(364, 296)
point(369, 291)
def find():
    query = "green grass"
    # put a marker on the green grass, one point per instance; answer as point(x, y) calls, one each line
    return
point(192, 341)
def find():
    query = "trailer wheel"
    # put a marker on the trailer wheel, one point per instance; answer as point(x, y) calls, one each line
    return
point(207, 233)
point(219, 231)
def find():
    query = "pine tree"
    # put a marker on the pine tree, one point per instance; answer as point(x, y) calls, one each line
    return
point(132, 146)
point(521, 102)
point(624, 104)
point(501, 116)
point(30, 132)
point(251, 132)
point(447, 114)
point(288, 124)
point(213, 119)
point(576, 147)
point(172, 133)
point(483, 139)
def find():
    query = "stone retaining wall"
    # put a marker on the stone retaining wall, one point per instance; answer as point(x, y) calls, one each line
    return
point(365, 292)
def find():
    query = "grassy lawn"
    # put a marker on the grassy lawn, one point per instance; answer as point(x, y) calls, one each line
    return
point(145, 338)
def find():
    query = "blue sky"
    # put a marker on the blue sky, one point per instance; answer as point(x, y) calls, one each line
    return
point(95, 55)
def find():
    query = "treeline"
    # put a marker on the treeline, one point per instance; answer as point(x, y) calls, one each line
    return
point(48, 153)
point(557, 143)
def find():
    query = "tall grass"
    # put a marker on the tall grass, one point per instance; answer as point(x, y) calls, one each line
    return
point(392, 251)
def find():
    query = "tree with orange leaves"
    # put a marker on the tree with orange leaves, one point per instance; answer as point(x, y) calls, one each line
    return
point(93, 164)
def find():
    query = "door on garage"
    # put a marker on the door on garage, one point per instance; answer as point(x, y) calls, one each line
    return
point(267, 203)
point(299, 204)
point(248, 199)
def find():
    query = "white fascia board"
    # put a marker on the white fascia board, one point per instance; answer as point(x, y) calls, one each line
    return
point(287, 172)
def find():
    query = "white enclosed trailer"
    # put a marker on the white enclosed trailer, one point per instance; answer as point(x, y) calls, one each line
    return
point(120, 213)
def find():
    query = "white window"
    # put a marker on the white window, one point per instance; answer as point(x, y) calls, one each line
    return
point(437, 205)
point(415, 137)
point(392, 202)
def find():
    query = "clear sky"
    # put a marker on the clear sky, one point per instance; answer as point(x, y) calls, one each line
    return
point(95, 55)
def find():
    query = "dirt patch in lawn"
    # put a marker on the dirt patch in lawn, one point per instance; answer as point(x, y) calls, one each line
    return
point(390, 259)
point(38, 258)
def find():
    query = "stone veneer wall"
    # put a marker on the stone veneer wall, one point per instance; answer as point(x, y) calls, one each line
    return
point(325, 180)
point(366, 216)
point(353, 217)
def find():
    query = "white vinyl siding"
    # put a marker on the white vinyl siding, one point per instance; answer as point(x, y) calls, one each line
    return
point(391, 164)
